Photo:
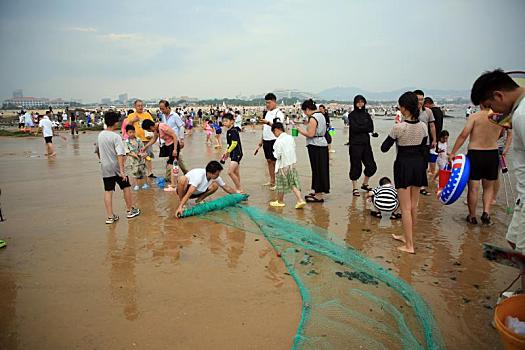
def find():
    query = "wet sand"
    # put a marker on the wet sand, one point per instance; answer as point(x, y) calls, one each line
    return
point(70, 281)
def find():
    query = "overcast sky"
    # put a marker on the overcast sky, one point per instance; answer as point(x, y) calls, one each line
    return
point(94, 49)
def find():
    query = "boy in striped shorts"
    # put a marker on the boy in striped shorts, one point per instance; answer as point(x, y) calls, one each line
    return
point(384, 198)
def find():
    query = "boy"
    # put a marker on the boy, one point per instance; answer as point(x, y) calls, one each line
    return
point(135, 160)
point(200, 183)
point(234, 150)
point(384, 198)
point(111, 152)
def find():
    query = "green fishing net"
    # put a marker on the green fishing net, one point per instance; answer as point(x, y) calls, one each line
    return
point(348, 301)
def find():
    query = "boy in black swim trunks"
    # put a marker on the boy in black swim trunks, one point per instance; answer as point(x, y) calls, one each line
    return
point(234, 150)
point(484, 161)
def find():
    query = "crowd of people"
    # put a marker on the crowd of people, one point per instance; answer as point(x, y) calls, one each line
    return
point(419, 136)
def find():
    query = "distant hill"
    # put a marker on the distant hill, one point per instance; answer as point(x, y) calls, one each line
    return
point(348, 93)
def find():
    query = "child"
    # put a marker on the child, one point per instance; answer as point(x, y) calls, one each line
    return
point(234, 150)
point(442, 159)
point(209, 130)
point(135, 160)
point(384, 198)
point(218, 132)
point(111, 152)
point(287, 178)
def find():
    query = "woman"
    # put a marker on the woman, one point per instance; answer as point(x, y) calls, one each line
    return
point(410, 137)
point(317, 151)
point(360, 150)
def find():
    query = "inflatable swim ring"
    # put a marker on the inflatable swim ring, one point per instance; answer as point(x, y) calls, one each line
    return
point(458, 180)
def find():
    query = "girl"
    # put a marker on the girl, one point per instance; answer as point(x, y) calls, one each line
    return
point(410, 137)
point(317, 151)
point(209, 130)
point(442, 159)
point(361, 125)
point(218, 133)
point(287, 178)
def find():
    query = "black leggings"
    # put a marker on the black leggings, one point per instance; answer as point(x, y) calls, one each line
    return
point(361, 155)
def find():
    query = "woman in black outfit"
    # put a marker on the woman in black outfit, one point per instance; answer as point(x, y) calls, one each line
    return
point(410, 167)
point(361, 125)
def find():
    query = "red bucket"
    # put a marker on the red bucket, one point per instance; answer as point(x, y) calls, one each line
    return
point(444, 176)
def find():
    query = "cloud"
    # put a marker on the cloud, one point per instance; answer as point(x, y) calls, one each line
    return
point(112, 37)
point(82, 29)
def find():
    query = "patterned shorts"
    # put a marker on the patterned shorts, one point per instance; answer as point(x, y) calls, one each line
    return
point(287, 179)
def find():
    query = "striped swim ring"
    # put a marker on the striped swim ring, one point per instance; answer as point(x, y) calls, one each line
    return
point(458, 180)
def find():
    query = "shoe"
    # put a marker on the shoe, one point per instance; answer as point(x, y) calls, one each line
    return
point(277, 204)
point(2, 243)
point(136, 188)
point(300, 205)
point(152, 176)
point(133, 212)
point(145, 186)
point(170, 189)
point(485, 219)
point(112, 219)
point(472, 220)
point(273, 188)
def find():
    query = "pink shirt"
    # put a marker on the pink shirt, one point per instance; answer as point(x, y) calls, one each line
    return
point(163, 128)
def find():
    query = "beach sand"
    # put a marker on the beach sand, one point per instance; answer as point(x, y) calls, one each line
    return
point(67, 280)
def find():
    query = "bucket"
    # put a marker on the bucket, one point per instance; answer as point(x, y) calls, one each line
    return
point(515, 307)
point(331, 131)
point(444, 176)
point(295, 132)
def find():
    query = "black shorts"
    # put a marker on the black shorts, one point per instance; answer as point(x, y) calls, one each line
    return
point(484, 164)
point(109, 183)
point(236, 157)
point(268, 149)
point(194, 195)
point(48, 139)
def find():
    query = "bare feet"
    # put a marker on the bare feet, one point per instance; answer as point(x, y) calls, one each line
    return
point(406, 250)
point(398, 238)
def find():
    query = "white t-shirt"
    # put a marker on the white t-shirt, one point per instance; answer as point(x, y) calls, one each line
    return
point(47, 127)
point(238, 121)
point(270, 116)
point(518, 147)
point(197, 178)
point(64, 117)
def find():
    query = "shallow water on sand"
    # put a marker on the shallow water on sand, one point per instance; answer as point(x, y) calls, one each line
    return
point(70, 281)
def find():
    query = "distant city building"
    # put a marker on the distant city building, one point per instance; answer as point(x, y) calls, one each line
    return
point(123, 98)
point(105, 101)
point(18, 93)
point(35, 102)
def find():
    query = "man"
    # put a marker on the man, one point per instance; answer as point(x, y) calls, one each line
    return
point(238, 120)
point(496, 90)
point(174, 121)
point(437, 112)
point(268, 138)
point(46, 126)
point(426, 116)
point(468, 112)
point(483, 154)
point(136, 118)
point(199, 184)
point(111, 152)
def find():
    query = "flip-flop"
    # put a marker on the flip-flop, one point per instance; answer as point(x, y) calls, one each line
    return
point(312, 199)
point(2, 243)
point(375, 214)
point(366, 188)
point(355, 193)
point(424, 192)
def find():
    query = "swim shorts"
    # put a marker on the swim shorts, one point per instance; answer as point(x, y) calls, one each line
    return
point(109, 183)
point(268, 149)
point(48, 139)
point(484, 164)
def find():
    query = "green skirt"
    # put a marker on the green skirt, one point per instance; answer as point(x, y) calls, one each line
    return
point(286, 179)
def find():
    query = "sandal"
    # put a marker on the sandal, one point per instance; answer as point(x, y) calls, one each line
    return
point(485, 219)
point(395, 216)
point(375, 214)
point(472, 220)
point(355, 192)
point(313, 199)
point(424, 192)
point(366, 188)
